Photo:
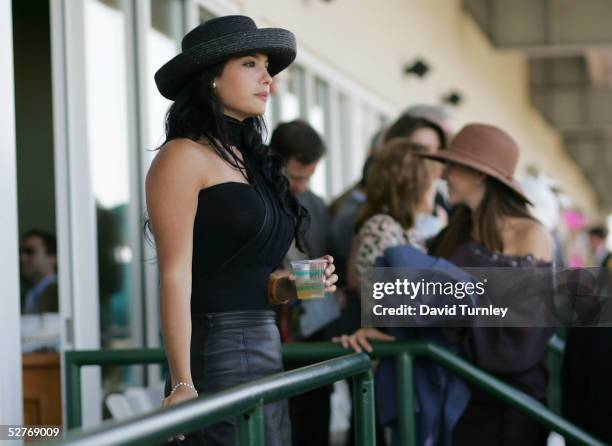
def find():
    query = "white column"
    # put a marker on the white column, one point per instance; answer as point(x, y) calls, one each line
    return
point(62, 208)
point(11, 402)
point(147, 253)
point(78, 210)
point(336, 162)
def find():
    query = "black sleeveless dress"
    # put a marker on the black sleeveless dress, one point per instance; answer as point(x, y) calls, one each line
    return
point(241, 234)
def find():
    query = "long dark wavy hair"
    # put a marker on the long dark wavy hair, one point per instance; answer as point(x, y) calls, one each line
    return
point(197, 114)
point(499, 201)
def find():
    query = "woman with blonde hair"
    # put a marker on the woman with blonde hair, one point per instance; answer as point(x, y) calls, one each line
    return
point(491, 227)
point(400, 187)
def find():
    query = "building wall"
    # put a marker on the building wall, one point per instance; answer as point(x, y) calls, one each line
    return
point(369, 41)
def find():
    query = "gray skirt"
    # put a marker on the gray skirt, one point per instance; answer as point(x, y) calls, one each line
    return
point(231, 348)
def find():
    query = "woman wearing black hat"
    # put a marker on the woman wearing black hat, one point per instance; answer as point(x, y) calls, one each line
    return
point(223, 218)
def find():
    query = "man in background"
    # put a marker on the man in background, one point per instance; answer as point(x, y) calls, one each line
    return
point(600, 254)
point(38, 264)
point(301, 149)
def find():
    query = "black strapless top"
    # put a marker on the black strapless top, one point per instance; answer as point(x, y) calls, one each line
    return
point(241, 234)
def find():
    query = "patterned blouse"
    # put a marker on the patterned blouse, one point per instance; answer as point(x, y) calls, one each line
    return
point(379, 232)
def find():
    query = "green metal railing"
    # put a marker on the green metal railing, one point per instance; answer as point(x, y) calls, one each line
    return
point(245, 401)
point(404, 354)
point(74, 360)
point(554, 361)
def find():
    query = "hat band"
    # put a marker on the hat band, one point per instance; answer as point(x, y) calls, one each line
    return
point(501, 173)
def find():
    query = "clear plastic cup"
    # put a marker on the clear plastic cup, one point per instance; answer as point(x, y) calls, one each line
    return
point(309, 278)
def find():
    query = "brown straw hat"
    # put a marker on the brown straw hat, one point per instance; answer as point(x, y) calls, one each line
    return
point(487, 149)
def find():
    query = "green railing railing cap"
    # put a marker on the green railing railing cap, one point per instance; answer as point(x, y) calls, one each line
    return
point(196, 414)
point(324, 350)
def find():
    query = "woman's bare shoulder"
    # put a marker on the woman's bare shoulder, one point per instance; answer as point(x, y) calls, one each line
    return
point(181, 158)
point(184, 149)
point(533, 238)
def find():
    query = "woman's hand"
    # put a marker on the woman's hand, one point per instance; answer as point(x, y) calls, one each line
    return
point(330, 277)
point(285, 288)
point(181, 394)
point(359, 339)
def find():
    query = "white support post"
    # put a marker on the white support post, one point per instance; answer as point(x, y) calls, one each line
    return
point(82, 259)
point(11, 402)
point(147, 252)
point(134, 214)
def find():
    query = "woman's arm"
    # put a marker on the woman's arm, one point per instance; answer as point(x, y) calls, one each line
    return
point(172, 188)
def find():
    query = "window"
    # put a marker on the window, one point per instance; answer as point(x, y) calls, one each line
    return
point(106, 120)
point(319, 119)
point(163, 43)
point(292, 101)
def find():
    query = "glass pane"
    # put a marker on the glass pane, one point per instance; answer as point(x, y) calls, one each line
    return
point(163, 43)
point(205, 14)
point(348, 154)
point(382, 120)
point(106, 81)
point(108, 145)
point(318, 117)
point(371, 124)
point(272, 114)
point(292, 97)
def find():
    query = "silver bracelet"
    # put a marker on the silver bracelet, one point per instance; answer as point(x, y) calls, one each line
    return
point(181, 383)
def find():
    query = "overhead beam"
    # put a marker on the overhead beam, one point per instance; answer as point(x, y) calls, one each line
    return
point(594, 157)
point(544, 25)
point(574, 108)
point(570, 71)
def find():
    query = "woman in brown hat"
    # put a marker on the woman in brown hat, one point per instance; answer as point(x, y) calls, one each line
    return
point(223, 218)
point(491, 227)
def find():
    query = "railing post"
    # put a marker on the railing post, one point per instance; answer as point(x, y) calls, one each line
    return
point(363, 403)
point(73, 391)
point(251, 427)
point(554, 361)
point(405, 402)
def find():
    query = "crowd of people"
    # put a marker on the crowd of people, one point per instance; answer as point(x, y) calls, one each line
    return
point(229, 213)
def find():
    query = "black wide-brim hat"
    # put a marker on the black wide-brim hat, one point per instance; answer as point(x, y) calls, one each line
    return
point(219, 39)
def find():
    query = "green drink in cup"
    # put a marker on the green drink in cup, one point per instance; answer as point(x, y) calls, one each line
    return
point(309, 278)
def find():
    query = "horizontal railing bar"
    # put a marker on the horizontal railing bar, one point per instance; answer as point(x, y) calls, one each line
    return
point(206, 410)
point(317, 351)
point(127, 356)
point(510, 395)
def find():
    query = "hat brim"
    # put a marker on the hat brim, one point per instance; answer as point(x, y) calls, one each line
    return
point(277, 43)
point(466, 160)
